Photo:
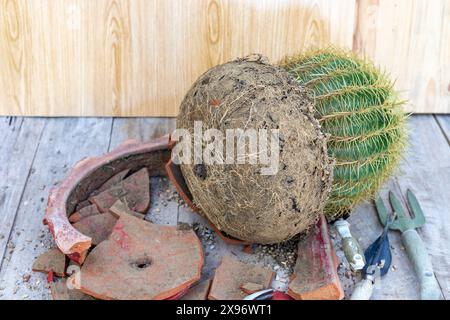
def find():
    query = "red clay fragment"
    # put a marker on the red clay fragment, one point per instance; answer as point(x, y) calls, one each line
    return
point(52, 260)
point(82, 205)
point(78, 257)
point(248, 249)
point(176, 177)
point(134, 192)
point(97, 227)
point(88, 211)
point(231, 274)
point(50, 276)
point(119, 209)
point(178, 295)
point(198, 291)
point(250, 287)
point(227, 239)
point(60, 291)
point(315, 273)
point(113, 181)
point(87, 176)
point(142, 260)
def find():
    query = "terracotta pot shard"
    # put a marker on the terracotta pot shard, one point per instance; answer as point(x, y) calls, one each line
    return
point(60, 291)
point(113, 181)
point(142, 260)
point(52, 260)
point(250, 287)
point(198, 292)
point(84, 212)
point(90, 174)
point(97, 227)
point(134, 191)
point(232, 274)
point(118, 209)
point(315, 273)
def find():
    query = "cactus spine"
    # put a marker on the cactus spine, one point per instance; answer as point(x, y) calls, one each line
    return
point(358, 107)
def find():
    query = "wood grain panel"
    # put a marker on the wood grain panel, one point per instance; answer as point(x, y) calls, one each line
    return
point(138, 58)
point(411, 40)
point(14, 78)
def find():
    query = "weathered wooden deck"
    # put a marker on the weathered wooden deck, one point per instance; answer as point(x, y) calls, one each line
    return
point(35, 153)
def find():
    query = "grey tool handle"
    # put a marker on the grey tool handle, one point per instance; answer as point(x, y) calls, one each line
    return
point(417, 253)
point(363, 290)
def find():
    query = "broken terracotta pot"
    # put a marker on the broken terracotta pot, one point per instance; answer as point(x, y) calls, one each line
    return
point(97, 227)
point(53, 261)
point(250, 287)
point(84, 212)
point(134, 191)
point(231, 275)
point(60, 291)
point(142, 260)
point(315, 273)
point(118, 209)
point(89, 175)
point(198, 292)
point(82, 205)
point(112, 181)
point(176, 177)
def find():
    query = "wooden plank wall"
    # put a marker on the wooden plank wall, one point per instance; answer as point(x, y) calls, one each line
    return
point(411, 40)
point(139, 57)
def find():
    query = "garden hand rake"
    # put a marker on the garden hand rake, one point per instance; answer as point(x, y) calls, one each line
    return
point(415, 248)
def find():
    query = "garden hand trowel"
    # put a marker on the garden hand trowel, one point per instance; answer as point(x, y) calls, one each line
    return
point(415, 248)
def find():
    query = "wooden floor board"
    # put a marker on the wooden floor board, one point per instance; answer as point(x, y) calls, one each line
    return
point(426, 171)
point(19, 140)
point(444, 123)
point(64, 142)
point(36, 153)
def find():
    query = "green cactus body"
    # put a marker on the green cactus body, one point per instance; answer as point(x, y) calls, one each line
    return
point(358, 107)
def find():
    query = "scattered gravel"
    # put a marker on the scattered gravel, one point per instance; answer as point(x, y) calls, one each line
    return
point(284, 255)
point(206, 235)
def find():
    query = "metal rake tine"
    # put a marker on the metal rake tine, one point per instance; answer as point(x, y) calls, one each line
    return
point(382, 210)
point(419, 218)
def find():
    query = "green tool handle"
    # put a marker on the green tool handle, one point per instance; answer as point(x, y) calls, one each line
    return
point(363, 290)
point(353, 253)
point(417, 253)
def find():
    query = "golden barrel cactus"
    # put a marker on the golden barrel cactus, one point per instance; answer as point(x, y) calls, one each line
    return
point(358, 107)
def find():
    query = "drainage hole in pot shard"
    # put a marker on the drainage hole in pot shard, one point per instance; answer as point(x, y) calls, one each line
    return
point(141, 264)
